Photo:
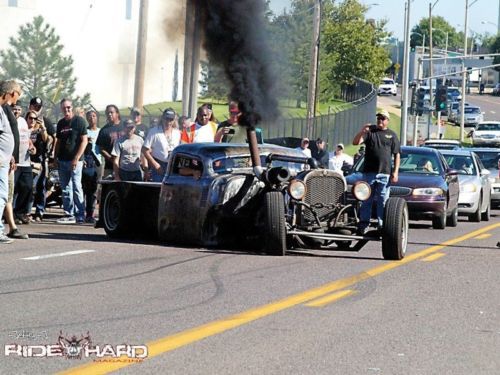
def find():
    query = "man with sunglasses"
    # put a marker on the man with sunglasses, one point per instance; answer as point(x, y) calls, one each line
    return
point(382, 145)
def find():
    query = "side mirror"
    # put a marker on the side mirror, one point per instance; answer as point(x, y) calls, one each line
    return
point(451, 172)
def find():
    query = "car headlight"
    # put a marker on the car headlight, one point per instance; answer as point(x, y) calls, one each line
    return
point(297, 189)
point(468, 188)
point(361, 191)
point(432, 192)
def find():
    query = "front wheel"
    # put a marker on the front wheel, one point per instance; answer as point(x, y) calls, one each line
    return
point(395, 231)
point(476, 216)
point(452, 220)
point(485, 216)
point(274, 224)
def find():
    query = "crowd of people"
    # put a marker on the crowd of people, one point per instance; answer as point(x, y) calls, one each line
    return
point(124, 149)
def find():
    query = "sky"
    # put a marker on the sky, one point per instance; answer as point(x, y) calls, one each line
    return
point(452, 11)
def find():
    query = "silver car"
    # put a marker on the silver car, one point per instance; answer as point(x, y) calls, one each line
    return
point(486, 134)
point(490, 157)
point(472, 116)
point(475, 187)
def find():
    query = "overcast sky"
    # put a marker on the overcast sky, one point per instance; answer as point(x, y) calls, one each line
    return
point(452, 10)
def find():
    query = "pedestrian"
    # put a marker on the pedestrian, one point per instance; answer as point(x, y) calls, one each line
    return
point(382, 146)
point(339, 160)
point(92, 170)
point(140, 129)
point(10, 92)
point(321, 154)
point(159, 142)
point(203, 130)
point(71, 140)
point(304, 147)
point(107, 137)
point(127, 155)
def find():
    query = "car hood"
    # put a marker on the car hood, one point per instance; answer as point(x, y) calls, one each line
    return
point(406, 180)
point(494, 133)
point(467, 179)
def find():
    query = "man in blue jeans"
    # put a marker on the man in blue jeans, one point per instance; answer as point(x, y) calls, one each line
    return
point(70, 143)
point(382, 145)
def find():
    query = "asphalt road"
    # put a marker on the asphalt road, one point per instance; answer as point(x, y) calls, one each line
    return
point(202, 311)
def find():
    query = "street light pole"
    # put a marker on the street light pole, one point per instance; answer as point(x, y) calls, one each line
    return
point(311, 97)
point(464, 75)
point(406, 73)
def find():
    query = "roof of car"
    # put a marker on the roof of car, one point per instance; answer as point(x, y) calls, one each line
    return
point(485, 149)
point(459, 152)
point(233, 149)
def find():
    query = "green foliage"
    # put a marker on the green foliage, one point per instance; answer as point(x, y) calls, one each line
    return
point(495, 48)
point(35, 60)
point(441, 27)
point(351, 46)
point(213, 83)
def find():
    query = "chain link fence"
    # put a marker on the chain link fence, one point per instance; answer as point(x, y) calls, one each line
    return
point(336, 127)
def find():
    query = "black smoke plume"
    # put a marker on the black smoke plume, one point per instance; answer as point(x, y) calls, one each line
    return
point(235, 38)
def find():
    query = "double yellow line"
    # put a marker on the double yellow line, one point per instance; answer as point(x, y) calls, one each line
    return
point(187, 337)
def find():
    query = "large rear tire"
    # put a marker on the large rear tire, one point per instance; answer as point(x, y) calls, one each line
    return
point(274, 224)
point(395, 231)
point(114, 215)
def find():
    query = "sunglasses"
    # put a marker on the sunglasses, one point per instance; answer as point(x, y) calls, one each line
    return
point(32, 118)
point(68, 107)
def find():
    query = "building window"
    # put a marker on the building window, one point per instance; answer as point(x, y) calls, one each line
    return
point(13, 3)
point(128, 9)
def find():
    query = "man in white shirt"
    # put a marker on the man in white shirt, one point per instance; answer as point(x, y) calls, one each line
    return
point(304, 147)
point(337, 159)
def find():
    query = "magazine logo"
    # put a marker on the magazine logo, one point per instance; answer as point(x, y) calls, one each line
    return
point(77, 348)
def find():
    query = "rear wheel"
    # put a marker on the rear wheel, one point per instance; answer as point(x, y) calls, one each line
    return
point(274, 224)
point(395, 231)
point(114, 214)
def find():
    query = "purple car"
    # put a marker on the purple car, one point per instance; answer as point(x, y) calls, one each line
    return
point(426, 182)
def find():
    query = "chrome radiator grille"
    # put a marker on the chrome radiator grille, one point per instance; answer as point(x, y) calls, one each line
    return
point(322, 189)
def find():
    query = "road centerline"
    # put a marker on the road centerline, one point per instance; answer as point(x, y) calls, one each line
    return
point(183, 338)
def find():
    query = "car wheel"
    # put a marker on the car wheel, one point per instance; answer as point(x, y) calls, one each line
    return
point(476, 216)
point(452, 220)
point(395, 231)
point(485, 216)
point(274, 224)
point(114, 218)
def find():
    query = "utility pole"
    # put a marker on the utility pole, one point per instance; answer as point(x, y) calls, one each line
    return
point(313, 73)
point(431, 65)
point(406, 73)
point(140, 59)
point(464, 76)
point(192, 45)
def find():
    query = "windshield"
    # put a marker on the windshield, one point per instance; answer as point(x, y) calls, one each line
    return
point(474, 110)
point(387, 82)
point(454, 105)
point(489, 159)
point(413, 163)
point(490, 127)
point(462, 163)
point(229, 164)
point(453, 92)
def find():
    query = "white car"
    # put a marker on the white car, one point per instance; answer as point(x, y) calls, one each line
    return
point(472, 116)
point(486, 134)
point(387, 87)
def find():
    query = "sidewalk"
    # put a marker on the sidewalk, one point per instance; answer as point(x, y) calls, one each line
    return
point(389, 104)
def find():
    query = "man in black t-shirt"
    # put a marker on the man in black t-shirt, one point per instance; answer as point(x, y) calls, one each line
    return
point(107, 137)
point(71, 141)
point(382, 145)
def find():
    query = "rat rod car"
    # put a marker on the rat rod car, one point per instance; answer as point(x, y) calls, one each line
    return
point(214, 194)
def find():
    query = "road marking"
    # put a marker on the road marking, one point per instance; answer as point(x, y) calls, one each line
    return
point(433, 257)
point(493, 112)
point(320, 302)
point(175, 341)
point(483, 236)
point(54, 255)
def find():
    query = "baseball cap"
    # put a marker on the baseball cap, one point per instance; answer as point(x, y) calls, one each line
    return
point(168, 114)
point(135, 111)
point(36, 101)
point(341, 145)
point(384, 113)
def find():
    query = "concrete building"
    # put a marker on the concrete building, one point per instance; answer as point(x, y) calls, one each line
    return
point(101, 36)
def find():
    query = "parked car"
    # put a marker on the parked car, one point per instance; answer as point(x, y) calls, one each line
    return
point(214, 194)
point(490, 157)
point(454, 94)
point(496, 90)
point(475, 187)
point(442, 144)
point(387, 87)
point(486, 133)
point(426, 182)
point(472, 116)
point(453, 110)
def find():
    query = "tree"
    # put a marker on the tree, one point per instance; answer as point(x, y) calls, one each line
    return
point(35, 60)
point(351, 46)
point(214, 83)
point(440, 27)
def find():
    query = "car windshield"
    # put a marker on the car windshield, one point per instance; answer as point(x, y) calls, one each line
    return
point(230, 164)
point(455, 105)
point(453, 92)
point(490, 127)
point(413, 163)
point(473, 110)
point(387, 82)
point(489, 159)
point(462, 163)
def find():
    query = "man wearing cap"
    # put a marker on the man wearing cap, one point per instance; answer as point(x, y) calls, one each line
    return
point(321, 154)
point(136, 116)
point(127, 155)
point(159, 142)
point(304, 147)
point(71, 141)
point(338, 159)
point(382, 146)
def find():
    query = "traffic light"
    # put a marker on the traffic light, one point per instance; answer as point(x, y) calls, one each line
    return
point(420, 101)
point(441, 98)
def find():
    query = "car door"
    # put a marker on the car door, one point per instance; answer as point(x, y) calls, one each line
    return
point(485, 182)
point(452, 182)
